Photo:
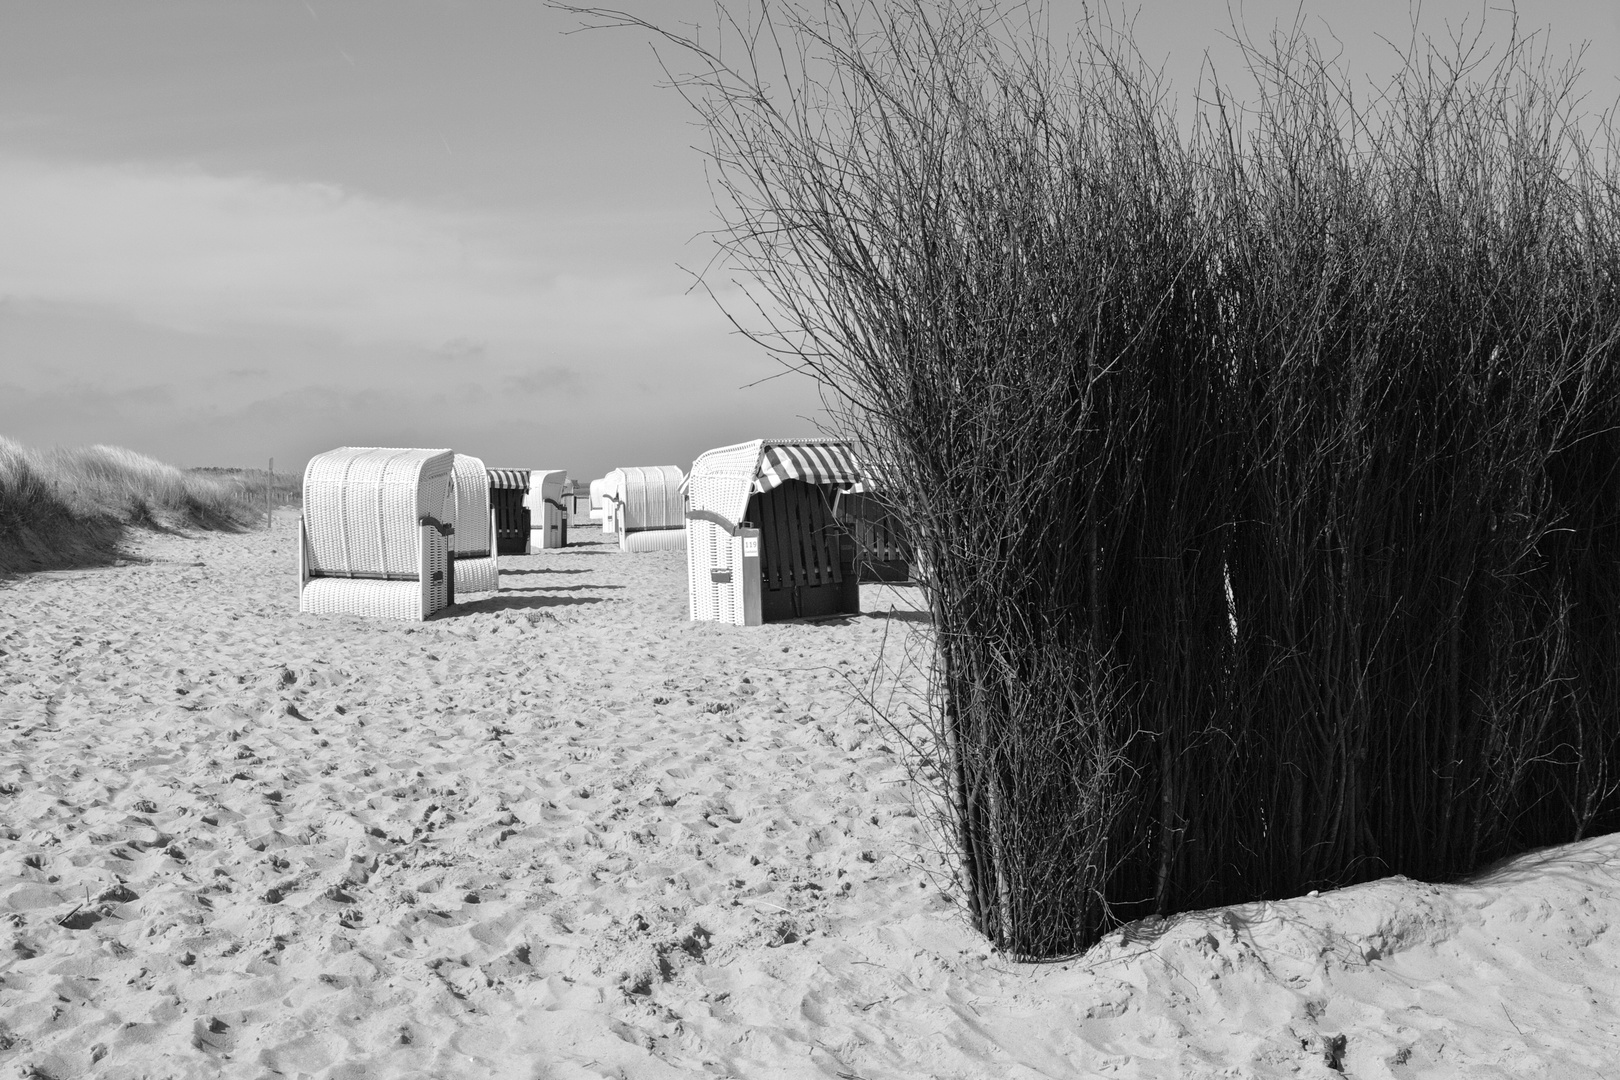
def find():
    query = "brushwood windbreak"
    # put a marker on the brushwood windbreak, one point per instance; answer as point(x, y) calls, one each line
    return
point(1263, 470)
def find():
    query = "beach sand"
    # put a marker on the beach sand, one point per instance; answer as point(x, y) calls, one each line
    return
point(564, 832)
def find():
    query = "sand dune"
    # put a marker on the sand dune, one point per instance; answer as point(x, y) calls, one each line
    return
point(564, 832)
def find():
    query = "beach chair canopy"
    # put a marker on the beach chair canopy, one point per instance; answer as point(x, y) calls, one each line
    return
point(473, 542)
point(470, 480)
point(505, 479)
point(722, 479)
point(647, 497)
point(551, 484)
point(364, 506)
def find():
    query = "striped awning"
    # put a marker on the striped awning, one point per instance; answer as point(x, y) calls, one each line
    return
point(722, 479)
point(509, 478)
point(812, 461)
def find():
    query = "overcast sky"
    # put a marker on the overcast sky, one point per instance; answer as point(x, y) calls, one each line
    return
point(231, 231)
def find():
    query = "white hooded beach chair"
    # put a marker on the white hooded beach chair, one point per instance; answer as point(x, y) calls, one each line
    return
point(373, 539)
point(578, 502)
point(601, 509)
point(648, 506)
point(763, 540)
point(548, 514)
point(473, 541)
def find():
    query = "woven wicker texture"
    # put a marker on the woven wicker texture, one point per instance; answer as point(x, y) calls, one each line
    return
point(477, 575)
point(714, 571)
point(474, 539)
point(719, 484)
point(430, 590)
point(722, 479)
point(363, 508)
point(470, 482)
point(653, 540)
point(357, 596)
point(647, 497)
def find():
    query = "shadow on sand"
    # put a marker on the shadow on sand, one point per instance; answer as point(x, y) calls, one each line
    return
point(518, 573)
point(895, 615)
point(509, 602)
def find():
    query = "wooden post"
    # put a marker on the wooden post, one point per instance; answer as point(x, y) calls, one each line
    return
point(269, 508)
point(748, 588)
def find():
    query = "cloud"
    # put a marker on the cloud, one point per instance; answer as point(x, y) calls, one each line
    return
point(543, 381)
point(202, 253)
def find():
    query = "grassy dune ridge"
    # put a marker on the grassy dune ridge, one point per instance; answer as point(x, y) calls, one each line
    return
point(73, 506)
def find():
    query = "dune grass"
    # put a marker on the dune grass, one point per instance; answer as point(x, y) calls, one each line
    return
point(68, 507)
point(276, 488)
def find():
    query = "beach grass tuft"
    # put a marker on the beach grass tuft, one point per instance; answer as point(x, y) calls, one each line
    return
point(66, 507)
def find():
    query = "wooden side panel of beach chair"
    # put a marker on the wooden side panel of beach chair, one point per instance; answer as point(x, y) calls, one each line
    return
point(824, 537)
point(803, 551)
point(803, 557)
point(880, 554)
point(763, 511)
point(772, 542)
point(793, 569)
point(817, 539)
point(512, 523)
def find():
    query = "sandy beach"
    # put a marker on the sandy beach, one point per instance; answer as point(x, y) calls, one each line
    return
point(564, 832)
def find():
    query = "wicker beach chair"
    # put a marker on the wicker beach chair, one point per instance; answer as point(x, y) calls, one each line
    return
point(547, 512)
point(473, 542)
point(882, 550)
point(578, 502)
point(373, 538)
point(509, 499)
point(764, 543)
point(604, 507)
point(645, 500)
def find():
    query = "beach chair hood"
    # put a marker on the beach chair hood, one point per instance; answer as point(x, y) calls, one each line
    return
point(646, 497)
point(368, 502)
point(722, 479)
point(470, 484)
